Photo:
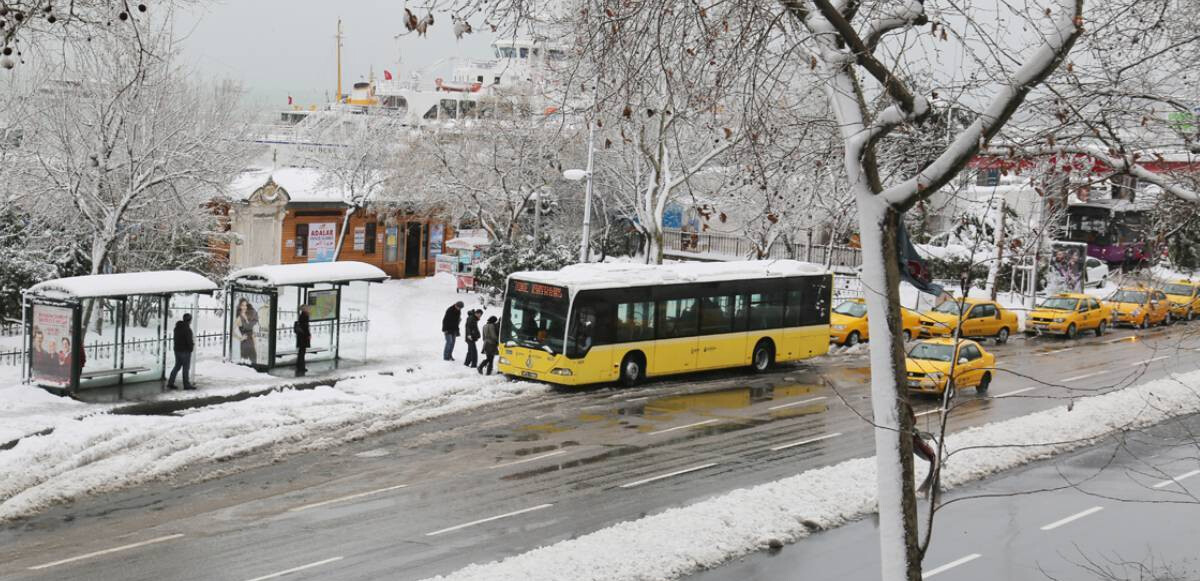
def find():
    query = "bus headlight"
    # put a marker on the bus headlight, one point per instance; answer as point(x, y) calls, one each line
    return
point(561, 371)
point(505, 361)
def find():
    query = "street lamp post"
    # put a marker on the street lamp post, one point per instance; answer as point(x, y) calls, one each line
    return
point(578, 174)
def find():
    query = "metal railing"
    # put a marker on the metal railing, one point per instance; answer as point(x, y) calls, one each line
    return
point(715, 246)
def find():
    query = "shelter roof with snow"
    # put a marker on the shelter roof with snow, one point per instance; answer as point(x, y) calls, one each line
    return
point(275, 275)
point(296, 184)
point(124, 284)
point(624, 274)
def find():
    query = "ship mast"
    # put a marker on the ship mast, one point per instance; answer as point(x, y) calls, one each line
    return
point(339, 61)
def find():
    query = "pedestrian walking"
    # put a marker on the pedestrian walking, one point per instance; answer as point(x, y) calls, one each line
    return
point(303, 339)
point(450, 323)
point(185, 344)
point(471, 335)
point(491, 344)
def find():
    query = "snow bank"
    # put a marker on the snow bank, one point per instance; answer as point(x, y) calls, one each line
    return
point(684, 540)
point(104, 453)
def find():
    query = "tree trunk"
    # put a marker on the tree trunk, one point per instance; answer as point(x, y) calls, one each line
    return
point(899, 549)
point(337, 252)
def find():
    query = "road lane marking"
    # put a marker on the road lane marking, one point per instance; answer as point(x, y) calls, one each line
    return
point(705, 422)
point(1179, 478)
point(1129, 338)
point(927, 412)
point(1072, 518)
point(795, 403)
point(1086, 375)
point(1045, 353)
point(668, 475)
point(1149, 361)
point(951, 565)
point(1014, 392)
point(106, 552)
point(296, 569)
point(345, 498)
point(803, 442)
point(490, 519)
point(530, 459)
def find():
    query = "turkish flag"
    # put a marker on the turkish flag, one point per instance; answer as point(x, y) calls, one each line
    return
point(386, 75)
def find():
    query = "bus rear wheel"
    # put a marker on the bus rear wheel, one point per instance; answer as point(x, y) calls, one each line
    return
point(633, 369)
point(763, 357)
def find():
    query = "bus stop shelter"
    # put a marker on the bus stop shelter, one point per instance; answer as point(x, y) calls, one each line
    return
point(263, 303)
point(104, 330)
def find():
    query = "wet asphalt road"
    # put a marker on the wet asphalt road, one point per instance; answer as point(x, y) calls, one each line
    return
point(434, 497)
point(1132, 501)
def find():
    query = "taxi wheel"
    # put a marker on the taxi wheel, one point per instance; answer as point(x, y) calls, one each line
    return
point(1101, 328)
point(984, 382)
point(1072, 332)
point(1145, 324)
point(1167, 320)
point(1002, 336)
point(907, 335)
point(1191, 315)
point(632, 369)
point(764, 356)
point(852, 339)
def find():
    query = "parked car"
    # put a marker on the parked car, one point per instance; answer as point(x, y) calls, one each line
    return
point(848, 323)
point(1068, 314)
point(1095, 273)
point(1139, 307)
point(978, 319)
point(935, 364)
point(1185, 299)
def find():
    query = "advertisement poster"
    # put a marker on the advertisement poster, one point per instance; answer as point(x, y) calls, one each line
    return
point(392, 243)
point(251, 319)
point(322, 305)
point(1067, 260)
point(436, 236)
point(52, 353)
point(360, 238)
point(322, 241)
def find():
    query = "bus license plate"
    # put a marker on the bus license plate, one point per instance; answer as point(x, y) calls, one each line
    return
point(529, 374)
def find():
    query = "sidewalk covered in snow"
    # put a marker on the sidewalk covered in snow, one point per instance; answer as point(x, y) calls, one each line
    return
point(105, 330)
point(263, 302)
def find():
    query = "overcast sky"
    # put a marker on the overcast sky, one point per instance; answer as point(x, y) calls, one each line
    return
point(278, 48)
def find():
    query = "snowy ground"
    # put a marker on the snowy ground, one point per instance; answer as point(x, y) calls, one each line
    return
point(684, 540)
point(90, 451)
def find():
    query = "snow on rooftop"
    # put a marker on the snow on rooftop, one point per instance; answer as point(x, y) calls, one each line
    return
point(302, 184)
point(626, 274)
point(124, 284)
point(306, 273)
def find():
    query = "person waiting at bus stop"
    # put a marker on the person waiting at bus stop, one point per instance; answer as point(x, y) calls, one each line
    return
point(491, 344)
point(450, 323)
point(303, 339)
point(185, 344)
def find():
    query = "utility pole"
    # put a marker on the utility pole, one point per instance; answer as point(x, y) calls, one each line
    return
point(584, 245)
point(339, 61)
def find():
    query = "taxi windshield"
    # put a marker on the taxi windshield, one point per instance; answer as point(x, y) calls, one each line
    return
point(851, 309)
point(949, 308)
point(932, 352)
point(1178, 289)
point(1127, 296)
point(1059, 304)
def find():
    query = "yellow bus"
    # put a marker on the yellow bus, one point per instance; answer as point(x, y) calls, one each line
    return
point(593, 323)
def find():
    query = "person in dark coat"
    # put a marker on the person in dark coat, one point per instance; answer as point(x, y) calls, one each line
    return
point(185, 344)
point(450, 323)
point(491, 344)
point(303, 340)
point(471, 335)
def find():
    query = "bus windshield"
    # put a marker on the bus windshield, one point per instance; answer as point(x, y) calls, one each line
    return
point(535, 316)
point(851, 309)
point(1178, 289)
point(932, 352)
point(1126, 296)
point(1059, 304)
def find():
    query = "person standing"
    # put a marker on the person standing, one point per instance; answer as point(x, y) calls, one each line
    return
point(450, 323)
point(491, 344)
point(303, 339)
point(185, 344)
point(471, 335)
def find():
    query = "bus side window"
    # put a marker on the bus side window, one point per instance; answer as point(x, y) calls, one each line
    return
point(583, 332)
point(766, 311)
point(677, 318)
point(716, 315)
point(635, 322)
point(797, 303)
point(741, 313)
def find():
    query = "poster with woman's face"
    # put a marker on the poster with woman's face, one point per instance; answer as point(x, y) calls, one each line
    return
point(251, 317)
point(52, 353)
point(1066, 267)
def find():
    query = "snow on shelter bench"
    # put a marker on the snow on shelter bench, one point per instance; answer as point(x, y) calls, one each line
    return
point(108, 372)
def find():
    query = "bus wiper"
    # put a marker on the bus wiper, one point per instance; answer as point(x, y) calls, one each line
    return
point(548, 349)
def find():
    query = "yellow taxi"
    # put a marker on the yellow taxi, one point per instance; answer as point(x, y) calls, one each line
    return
point(934, 364)
point(848, 323)
point(1139, 307)
point(1185, 299)
point(978, 318)
point(1068, 314)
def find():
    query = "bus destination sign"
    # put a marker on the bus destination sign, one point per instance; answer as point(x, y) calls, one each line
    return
point(544, 290)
